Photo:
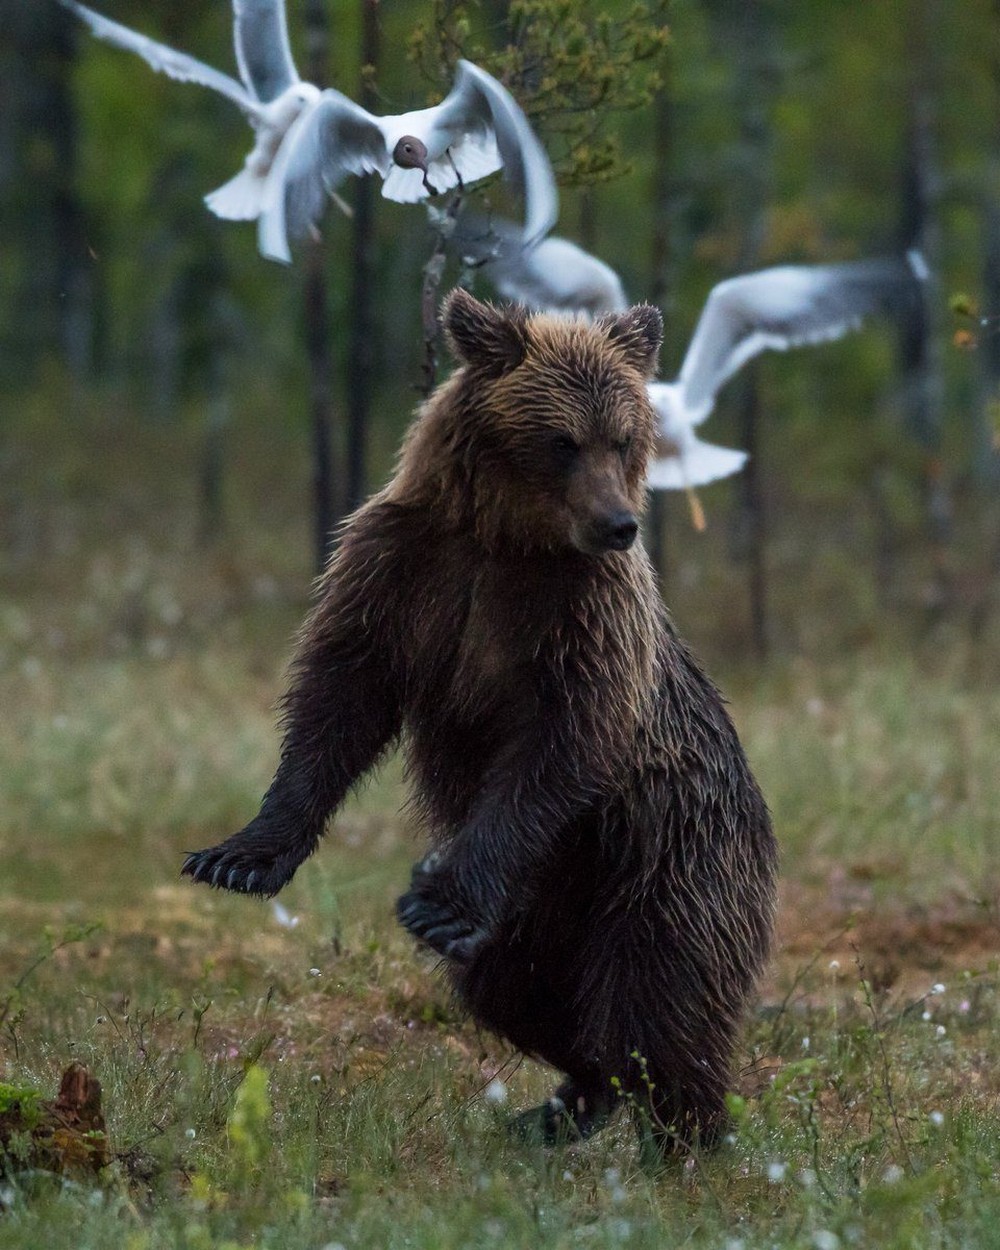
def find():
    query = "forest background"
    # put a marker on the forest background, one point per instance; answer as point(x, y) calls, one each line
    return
point(181, 423)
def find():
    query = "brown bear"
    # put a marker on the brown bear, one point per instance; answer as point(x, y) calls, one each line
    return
point(602, 884)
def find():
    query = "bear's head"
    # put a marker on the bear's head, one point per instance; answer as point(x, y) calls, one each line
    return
point(545, 432)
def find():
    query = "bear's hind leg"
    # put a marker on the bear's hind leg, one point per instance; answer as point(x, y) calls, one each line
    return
point(576, 1111)
point(677, 1115)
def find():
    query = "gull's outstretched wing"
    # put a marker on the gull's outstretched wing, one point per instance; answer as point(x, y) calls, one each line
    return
point(166, 60)
point(478, 105)
point(696, 465)
point(553, 276)
point(789, 306)
point(263, 53)
point(328, 141)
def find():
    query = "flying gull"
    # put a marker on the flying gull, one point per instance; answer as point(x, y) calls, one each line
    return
point(553, 276)
point(477, 129)
point(308, 141)
point(787, 306)
point(270, 94)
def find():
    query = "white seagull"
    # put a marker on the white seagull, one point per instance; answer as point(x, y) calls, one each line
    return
point(271, 94)
point(787, 306)
point(308, 141)
point(477, 129)
point(553, 276)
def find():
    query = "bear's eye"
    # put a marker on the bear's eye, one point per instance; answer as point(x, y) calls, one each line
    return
point(623, 445)
point(565, 447)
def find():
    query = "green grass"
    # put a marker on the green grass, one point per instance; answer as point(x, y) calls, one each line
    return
point(138, 679)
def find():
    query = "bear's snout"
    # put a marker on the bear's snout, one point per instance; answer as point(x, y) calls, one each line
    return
point(617, 531)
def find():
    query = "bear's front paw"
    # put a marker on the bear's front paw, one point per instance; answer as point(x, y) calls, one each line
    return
point(432, 917)
point(228, 868)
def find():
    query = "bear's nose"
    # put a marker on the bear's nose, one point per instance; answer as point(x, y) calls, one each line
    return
point(620, 529)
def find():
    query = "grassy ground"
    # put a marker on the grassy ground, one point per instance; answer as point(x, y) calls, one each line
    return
point(313, 1086)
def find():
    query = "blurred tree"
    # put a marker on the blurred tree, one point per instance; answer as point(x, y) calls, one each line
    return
point(920, 351)
point(45, 280)
point(745, 26)
point(662, 277)
point(318, 328)
point(361, 344)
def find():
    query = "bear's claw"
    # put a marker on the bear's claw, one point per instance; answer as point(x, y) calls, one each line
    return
point(221, 868)
point(434, 922)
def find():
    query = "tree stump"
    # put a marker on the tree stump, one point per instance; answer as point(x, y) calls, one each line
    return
point(64, 1136)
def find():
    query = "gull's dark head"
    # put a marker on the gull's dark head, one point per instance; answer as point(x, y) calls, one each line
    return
point(411, 153)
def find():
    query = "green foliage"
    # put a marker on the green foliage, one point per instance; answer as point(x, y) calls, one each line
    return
point(572, 66)
point(249, 1122)
point(22, 1100)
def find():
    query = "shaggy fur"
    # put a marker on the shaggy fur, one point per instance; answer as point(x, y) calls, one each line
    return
point(602, 886)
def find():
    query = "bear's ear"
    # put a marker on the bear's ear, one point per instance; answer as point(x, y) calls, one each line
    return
point(491, 338)
point(639, 333)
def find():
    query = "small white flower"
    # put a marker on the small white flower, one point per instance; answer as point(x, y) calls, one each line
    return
point(834, 965)
point(283, 916)
point(496, 1091)
point(777, 1171)
point(735, 1243)
point(893, 1174)
point(823, 1239)
point(936, 1118)
point(938, 988)
point(940, 1031)
point(314, 972)
point(805, 1043)
point(807, 1178)
point(925, 1015)
point(190, 1134)
point(568, 1176)
point(315, 1078)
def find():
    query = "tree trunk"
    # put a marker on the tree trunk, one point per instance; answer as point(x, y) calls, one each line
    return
point(361, 351)
point(750, 42)
point(919, 354)
point(317, 328)
point(45, 290)
point(661, 291)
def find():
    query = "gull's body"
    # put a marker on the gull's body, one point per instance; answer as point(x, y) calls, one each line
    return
point(553, 276)
point(477, 129)
point(787, 306)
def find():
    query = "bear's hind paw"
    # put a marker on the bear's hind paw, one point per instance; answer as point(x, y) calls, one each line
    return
point(442, 930)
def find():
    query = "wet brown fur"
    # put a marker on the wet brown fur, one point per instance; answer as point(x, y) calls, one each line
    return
point(603, 888)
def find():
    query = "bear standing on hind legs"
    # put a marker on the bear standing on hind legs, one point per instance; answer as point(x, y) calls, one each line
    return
point(602, 883)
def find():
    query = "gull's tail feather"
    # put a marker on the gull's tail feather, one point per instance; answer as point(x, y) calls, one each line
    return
point(700, 464)
point(239, 199)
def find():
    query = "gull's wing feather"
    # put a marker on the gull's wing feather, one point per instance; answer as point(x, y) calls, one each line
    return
point(553, 276)
point(327, 142)
point(698, 464)
point(163, 59)
point(788, 306)
point(476, 105)
point(263, 53)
